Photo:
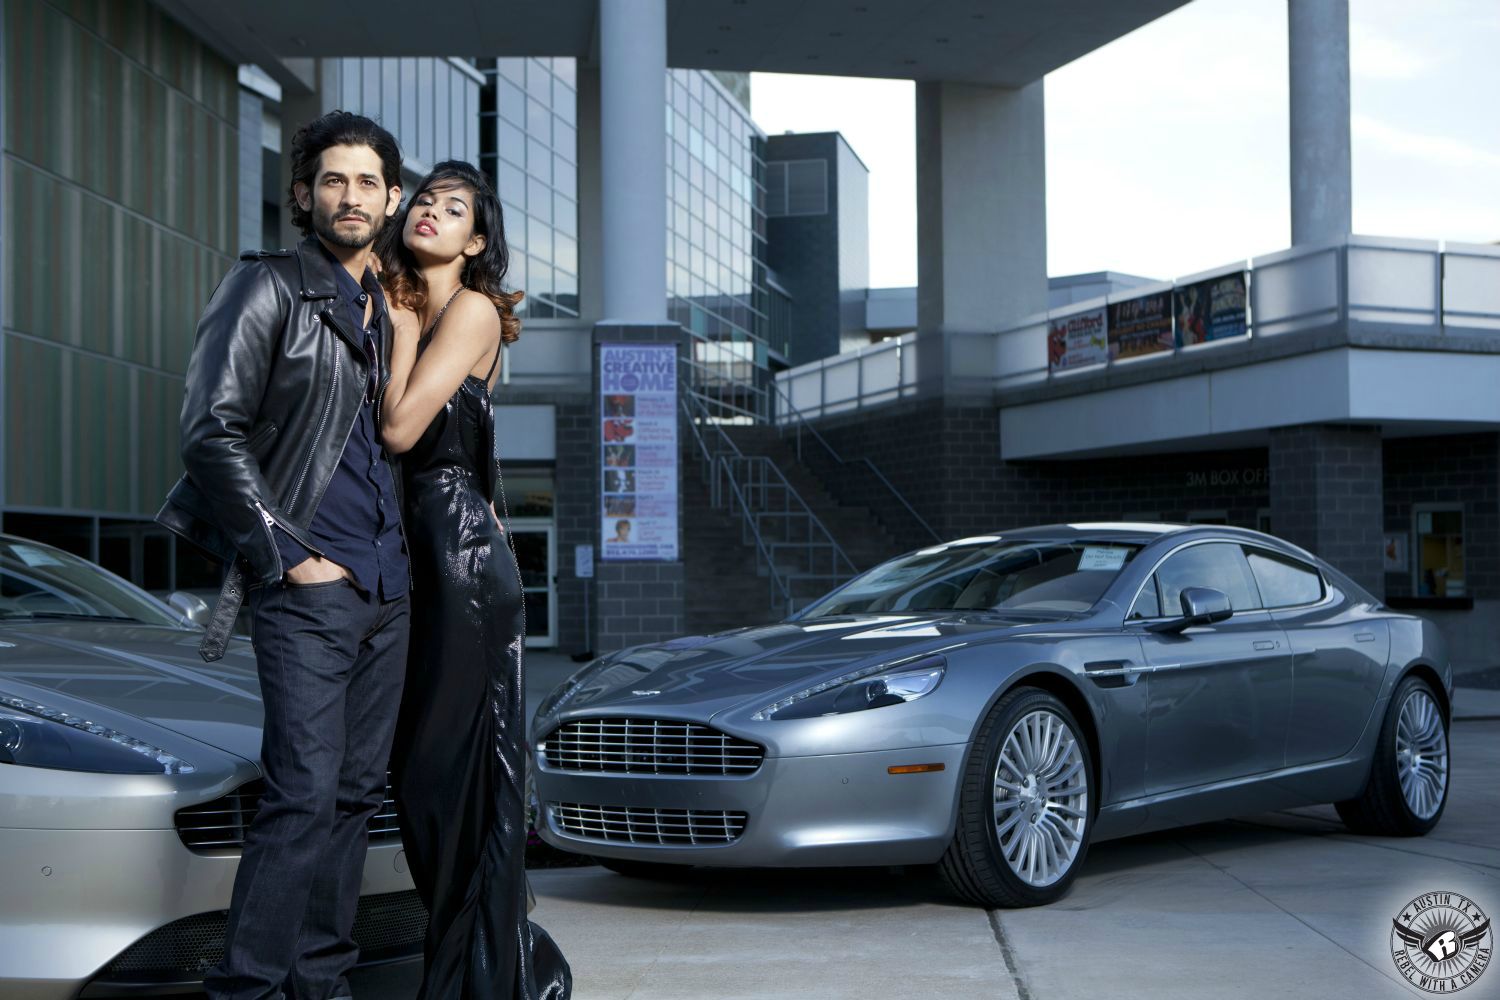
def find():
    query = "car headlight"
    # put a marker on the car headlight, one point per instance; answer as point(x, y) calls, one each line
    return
point(37, 736)
point(870, 687)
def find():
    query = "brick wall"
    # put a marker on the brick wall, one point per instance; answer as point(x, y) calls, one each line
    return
point(1326, 489)
point(1462, 469)
point(946, 462)
point(638, 602)
point(575, 513)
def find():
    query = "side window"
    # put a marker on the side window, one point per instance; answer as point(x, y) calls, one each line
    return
point(1148, 604)
point(1284, 582)
point(1218, 565)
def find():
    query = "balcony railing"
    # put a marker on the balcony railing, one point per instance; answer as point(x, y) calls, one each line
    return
point(1416, 288)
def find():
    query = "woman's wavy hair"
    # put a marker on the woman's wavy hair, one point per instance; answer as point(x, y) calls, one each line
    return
point(483, 273)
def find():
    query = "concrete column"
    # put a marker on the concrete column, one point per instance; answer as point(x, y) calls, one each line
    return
point(590, 218)
point(1328, 496)
point(1318, 58)
point(981, 212)
point(633, 137)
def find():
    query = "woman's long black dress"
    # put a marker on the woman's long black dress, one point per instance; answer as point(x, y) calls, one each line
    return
point(459, 759)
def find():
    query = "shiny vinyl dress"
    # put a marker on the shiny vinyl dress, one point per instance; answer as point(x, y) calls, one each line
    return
point(459, 756)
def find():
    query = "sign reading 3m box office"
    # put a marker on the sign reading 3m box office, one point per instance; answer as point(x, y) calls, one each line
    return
point(638, 436)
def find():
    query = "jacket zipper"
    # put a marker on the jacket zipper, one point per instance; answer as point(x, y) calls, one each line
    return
point(272, 523)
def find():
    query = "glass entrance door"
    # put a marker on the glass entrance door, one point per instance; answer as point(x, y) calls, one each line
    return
point(536, 552)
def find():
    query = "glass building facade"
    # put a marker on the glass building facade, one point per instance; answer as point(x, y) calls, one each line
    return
point(716, 225)
point(716, 229)
point(529, 148)
point(121, 210)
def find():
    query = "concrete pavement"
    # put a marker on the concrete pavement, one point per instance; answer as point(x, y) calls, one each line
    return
point(1282, 904)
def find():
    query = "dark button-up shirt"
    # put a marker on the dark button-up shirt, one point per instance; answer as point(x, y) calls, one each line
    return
point(357, 523)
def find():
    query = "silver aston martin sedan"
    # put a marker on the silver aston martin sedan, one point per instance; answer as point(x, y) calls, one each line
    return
point(996, 704)
point(127, 779)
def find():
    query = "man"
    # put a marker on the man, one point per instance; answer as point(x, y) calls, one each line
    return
point(286, 479)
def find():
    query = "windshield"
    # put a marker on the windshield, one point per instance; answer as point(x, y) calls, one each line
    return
point(40, 582)
point(986, 574)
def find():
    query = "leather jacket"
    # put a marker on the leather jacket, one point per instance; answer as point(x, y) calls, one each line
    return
point(274, 387)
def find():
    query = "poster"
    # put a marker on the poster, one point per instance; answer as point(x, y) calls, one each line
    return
point(1395, 559)
point(1140, 326)
point(1210, 310)
point(1077, 340)
point(638, 442)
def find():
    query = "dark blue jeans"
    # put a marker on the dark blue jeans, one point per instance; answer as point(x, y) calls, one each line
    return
point(331, 661)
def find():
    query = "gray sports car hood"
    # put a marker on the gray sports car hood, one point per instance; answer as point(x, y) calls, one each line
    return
point(145, 671)
point(699, 676)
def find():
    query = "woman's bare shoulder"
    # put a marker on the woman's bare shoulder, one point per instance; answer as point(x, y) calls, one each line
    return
point(476, 308)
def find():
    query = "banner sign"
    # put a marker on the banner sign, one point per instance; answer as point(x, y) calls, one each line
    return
point(1211, 310)
point(1077, 340)
point(638, 438)
point(1140, 326)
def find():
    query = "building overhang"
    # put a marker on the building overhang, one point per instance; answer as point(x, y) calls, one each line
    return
point(1005, 43)
point(1405, 392)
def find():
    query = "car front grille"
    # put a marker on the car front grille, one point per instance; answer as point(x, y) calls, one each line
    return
point(386, 926)
point(648, 746)
point(221, 824)
point(641, 825)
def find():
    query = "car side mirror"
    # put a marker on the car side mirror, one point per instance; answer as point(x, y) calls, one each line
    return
point(1200, 606)
point(193, 609)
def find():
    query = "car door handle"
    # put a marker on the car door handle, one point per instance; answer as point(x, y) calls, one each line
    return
point(1266, 644)
point(1364, 637)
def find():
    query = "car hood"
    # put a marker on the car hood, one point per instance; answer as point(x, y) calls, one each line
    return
point(700, 676)
point(149, 672)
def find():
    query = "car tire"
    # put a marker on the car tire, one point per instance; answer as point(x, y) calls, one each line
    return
point(653, 870)
point(1407, 789)
point(1015, 804)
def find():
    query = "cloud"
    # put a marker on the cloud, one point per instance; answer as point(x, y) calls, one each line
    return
point(1375, 56)
point(1446, 150)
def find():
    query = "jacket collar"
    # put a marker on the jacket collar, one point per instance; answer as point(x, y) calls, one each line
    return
point(320, 282)
point(316, 271)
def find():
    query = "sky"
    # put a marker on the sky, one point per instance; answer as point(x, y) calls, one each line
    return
point(1167, 149)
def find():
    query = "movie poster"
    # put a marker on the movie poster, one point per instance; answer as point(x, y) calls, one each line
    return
point(1211, 310)
point(638, 438)
point(1077, 340)
point(1139, 326)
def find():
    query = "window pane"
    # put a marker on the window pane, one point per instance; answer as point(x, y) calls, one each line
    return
point(1440, 554)
point(512, 101)
point(1284, 583)
point(1216, 565)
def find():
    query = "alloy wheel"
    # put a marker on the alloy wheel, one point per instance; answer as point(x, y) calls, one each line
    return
point(1040, 798)
point(1422, 754)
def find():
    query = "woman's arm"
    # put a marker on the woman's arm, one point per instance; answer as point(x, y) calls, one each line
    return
point(469, 333)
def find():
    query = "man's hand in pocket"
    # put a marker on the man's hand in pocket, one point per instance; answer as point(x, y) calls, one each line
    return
point(315, 569)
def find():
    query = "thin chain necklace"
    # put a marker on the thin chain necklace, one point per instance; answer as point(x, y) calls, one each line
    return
point(432, 327)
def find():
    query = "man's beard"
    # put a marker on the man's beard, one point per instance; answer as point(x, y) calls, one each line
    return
point(324, 226)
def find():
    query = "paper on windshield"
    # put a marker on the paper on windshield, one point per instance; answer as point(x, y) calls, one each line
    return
point(36, 557)
point(1102, 557)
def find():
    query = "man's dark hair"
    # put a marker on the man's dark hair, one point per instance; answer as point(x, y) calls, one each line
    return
point(337, 128)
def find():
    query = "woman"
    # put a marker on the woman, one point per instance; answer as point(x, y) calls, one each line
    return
point(458, 761)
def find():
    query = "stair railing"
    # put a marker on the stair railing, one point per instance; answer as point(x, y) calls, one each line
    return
point(753, 487)
point(802, 425)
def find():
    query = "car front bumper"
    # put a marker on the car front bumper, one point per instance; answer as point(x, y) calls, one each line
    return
point(818, 811)
point(81, 905)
